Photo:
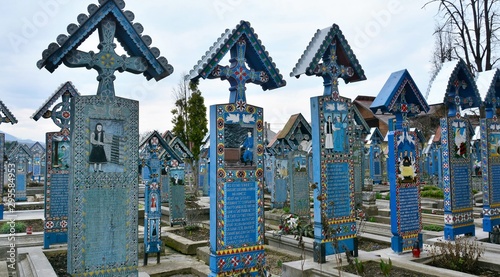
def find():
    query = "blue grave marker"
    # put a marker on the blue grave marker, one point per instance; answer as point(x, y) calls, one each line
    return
point(237, 152)
point(38, 152)
point(299, 184)
point(57, 164)
point(177, 196)
point(376, 139)
point(279, 193)
point(103, 215)
point(333, 130)
point(460, 92)
point(152, 195)
point(488, 85)
point(203, 177)
point(19, 155)
point(401, 97)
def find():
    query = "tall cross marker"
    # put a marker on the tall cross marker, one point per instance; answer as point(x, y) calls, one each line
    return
point(106, 62)
point(238, 74)
point(331, 71)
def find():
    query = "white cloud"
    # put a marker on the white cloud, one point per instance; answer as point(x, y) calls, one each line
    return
point(386, 36)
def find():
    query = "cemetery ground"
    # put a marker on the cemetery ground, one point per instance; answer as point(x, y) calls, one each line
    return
point(186, 251)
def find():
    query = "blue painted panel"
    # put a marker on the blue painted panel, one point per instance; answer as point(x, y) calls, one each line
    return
point(457, 172)
point(241, 217)
point(21, 187)
point(299, 184)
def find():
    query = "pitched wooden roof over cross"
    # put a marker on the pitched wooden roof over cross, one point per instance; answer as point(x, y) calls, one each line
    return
point(112, 22)
point(250, 63)
point(330, 46)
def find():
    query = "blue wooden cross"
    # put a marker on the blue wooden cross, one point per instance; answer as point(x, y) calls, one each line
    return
point(238, 74)
point(106, 62)
point(330, 70)
point(454, 100)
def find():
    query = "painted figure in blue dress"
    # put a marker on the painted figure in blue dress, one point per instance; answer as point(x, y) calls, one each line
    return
point(248, 152)
point(338, 135)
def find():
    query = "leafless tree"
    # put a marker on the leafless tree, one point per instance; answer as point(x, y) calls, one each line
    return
point(473, 26)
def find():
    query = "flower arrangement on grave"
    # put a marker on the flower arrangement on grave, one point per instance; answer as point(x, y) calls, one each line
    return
point(292, 224)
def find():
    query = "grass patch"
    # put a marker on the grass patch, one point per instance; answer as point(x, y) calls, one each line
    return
point(433, 227)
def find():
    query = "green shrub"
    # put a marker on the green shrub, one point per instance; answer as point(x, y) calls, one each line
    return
point(461, 255)
point(433, 227)
point(388, 196)
point(432, 192)
point(386, 268)
point(19, 227)
point(286, 209)
point(378, 195)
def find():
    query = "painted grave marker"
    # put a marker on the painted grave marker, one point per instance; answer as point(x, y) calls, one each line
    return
point(376, 156)
point(460, 92)
point(57, 164)
point(401, 97)
point(488, 82)
point(237, 153)
point(177, 196)
point(333, 130)
point(279, 193)
point(299, 184)
point(102, 230)
point(152, 146)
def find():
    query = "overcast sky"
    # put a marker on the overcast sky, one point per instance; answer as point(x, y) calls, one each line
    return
point(385, 35)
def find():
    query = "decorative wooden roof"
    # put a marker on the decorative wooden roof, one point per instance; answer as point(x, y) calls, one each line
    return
point(400, 94)
point(255, 56)
point(7, 117)
point(61, 113)
point(163, 144)
point(360, 121)
point(129, 35)
point(488, 85)
point(295, 130)
point(330, 46)
point(180, 148)
point(375, 136)
point(454, 86)
point(17, 150)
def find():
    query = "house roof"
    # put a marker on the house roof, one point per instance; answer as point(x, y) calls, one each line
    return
point(256, 56)
point(374, 134)
point(8, 116)
point(127, 33)
point(390, 98)
point(320, 45)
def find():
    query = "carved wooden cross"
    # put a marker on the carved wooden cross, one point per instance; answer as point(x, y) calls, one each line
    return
point(238, 74)
point(106, 62)
point(330, 70)
point(455, 101)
